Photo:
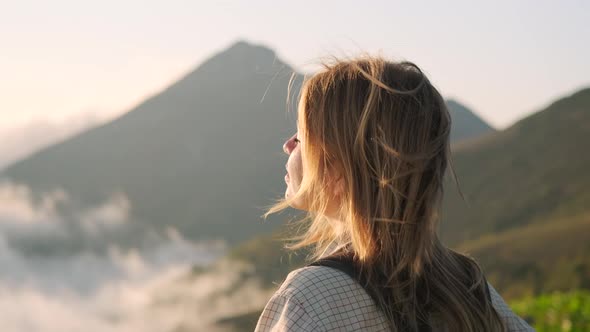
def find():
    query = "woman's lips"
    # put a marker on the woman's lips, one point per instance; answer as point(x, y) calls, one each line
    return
point(287, 177)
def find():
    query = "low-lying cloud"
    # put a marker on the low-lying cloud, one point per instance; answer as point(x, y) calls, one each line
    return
point(98, 269)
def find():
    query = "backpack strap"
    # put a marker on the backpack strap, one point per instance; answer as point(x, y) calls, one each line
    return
point(341, 263)
point(346, 264)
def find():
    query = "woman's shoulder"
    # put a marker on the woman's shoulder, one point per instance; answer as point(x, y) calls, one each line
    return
point(310, 281)
point(513, 322)
point(321, 288)
point(325, 297)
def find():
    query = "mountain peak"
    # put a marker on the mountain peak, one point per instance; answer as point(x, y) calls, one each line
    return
point(242, 45)
point(239, 62)
point(242, 54)
point(466, 123)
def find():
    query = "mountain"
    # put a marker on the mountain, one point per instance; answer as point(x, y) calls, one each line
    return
point(535, 171)
point(466, 125)
point(526, 217)
point(204, 155)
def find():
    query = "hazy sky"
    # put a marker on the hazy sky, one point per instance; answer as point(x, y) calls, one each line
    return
point(504, 59)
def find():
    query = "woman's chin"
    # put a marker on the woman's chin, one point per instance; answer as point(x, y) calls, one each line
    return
point(289, 194)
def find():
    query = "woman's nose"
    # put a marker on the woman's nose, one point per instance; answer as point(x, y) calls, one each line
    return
point(289, 145)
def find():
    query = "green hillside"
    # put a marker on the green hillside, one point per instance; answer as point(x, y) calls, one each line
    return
point(558, 311)
point(538, 258)
point(527, 215)
point(535, 171)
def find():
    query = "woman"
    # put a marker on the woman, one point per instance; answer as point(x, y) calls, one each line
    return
point(367, 163)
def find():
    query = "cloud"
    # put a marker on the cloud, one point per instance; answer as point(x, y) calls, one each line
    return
point(51, 282)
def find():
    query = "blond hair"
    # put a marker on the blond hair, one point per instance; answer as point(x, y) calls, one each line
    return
point(384, 128)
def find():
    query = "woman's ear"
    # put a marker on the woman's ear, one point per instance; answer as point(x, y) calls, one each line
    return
point(339, 186)
point(335, 181)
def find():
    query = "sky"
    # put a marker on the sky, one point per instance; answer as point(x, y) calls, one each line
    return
point(62, 61)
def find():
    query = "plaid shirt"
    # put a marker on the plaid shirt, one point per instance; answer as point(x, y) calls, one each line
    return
point(319, 298)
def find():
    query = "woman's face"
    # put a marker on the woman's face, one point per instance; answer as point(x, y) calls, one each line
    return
point(292, 148)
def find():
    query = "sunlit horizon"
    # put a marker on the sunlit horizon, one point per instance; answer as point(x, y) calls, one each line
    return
point(68, 60)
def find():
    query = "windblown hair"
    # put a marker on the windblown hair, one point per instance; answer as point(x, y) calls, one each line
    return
point(385, 129)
